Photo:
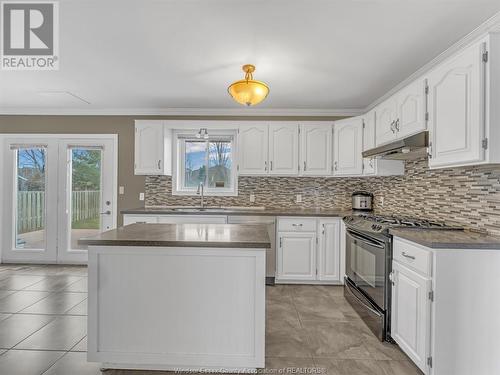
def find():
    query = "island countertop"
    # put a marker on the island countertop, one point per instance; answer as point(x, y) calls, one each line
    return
point(184, 235)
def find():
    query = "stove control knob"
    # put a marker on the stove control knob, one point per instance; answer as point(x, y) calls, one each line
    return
point(377, 227)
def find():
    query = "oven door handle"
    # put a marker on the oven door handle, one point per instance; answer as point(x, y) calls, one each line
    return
point(369, 307)
point(366, 241)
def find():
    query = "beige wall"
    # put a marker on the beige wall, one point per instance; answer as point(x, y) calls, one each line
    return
point(121, 125)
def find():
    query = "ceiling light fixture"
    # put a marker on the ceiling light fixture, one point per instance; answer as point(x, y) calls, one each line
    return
point(247, 91)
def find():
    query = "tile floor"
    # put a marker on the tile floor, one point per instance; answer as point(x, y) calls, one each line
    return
point(43, 328)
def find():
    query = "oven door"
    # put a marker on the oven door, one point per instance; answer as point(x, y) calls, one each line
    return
point(366, 263)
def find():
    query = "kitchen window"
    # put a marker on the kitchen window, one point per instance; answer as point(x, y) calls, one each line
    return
point(207, 161)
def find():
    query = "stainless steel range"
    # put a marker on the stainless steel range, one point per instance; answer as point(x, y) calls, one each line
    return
point(368, 264)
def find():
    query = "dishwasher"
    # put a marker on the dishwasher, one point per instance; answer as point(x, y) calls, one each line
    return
point(270, 221)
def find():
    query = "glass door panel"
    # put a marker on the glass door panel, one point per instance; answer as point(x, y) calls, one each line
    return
point(30, 180)
point(85, 195)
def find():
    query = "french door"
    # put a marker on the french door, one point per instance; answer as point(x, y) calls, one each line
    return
point(57, 189)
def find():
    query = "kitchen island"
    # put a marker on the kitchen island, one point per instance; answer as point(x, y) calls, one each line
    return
point(178, 296)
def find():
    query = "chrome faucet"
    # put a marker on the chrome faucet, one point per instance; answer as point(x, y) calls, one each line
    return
point(201, 192)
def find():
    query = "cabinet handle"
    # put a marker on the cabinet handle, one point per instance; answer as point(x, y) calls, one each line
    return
point(392, 127)
point(323, 231)
point(407, 256)
point(429, 150)
point(335, 166)
point(304, 166)
point(271, 164)
point(281, 241)
point(265, 165)
point(297, 225)
point(396, 125)
point(159, 164)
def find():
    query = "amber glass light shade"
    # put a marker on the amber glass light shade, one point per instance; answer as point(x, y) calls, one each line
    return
point(248, 91)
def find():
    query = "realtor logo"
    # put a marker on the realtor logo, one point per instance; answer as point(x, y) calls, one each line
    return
point(30, 35)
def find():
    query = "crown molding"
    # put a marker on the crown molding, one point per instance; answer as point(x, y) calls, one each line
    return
point(250, 112)
point(491, 25)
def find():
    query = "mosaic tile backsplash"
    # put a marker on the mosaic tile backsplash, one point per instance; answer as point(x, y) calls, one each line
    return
point(469, 197)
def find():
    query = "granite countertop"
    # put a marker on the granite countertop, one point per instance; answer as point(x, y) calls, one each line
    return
point(252, 211)
point(184, 235)
point(447, 239)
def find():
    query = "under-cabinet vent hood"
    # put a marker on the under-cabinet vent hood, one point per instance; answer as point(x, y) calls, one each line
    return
point(409, 148)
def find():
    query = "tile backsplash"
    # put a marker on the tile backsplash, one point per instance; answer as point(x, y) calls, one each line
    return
point(468, 196)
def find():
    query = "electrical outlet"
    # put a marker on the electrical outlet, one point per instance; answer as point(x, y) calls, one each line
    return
point(141, 196)
point(298, 198)
point(252, 198)
point(121, 190)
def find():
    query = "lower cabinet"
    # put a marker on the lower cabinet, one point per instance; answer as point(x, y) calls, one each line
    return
point(308, 250)
point(410, 324)
point(296, 256)
point(174, 219)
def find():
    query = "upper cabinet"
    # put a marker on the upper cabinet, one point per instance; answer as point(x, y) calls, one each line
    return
point(401, 115)
point(284, 148)
point(348, 145)
point(385, 120)
point(153, 148)
point(457, 106)
point(369, 142)
point(316, 149)
point(411, 108)
point(253, 149)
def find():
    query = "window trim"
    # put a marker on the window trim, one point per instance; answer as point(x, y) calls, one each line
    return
point(180, 136)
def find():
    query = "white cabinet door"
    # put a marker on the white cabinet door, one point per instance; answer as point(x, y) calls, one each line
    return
point(139, 219)
point(153, 148)
point(386, 114)
point(284, 149)
point(411, 109)
point(456, 109)
point(369, 164)
point(253, 149)
point(296, 256)
point(316, 149)
point(348, 144)
point(410, 319)
point(329, 250)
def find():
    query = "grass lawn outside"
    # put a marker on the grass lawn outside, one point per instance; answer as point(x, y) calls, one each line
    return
point(92, 223)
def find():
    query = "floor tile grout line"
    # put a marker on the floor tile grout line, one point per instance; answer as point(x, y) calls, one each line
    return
point(32, 333)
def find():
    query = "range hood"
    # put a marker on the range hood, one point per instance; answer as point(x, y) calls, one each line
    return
point(410, 148)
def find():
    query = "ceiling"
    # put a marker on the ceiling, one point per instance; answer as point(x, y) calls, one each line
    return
point(145, 56)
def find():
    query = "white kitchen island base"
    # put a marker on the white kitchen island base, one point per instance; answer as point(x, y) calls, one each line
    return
point(173, 308)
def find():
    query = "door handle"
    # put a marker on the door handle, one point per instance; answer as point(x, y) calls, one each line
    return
point(407, 256)
point(159, 164)
point(108, 212)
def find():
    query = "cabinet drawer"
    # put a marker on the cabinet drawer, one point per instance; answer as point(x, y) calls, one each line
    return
point(131, 219)
point(413, 256)
point(296, 224)
point(192, 219)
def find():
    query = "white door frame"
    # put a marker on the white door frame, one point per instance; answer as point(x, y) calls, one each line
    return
point(41, 138)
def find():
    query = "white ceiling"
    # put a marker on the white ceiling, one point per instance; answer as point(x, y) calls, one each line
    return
point(150, 55)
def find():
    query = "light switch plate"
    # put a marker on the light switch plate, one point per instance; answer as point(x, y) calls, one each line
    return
point(252, 198)
point(298, 198)
point(141, 196)
point(121, 190)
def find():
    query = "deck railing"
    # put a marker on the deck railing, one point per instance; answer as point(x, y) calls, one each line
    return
point(31, 208)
